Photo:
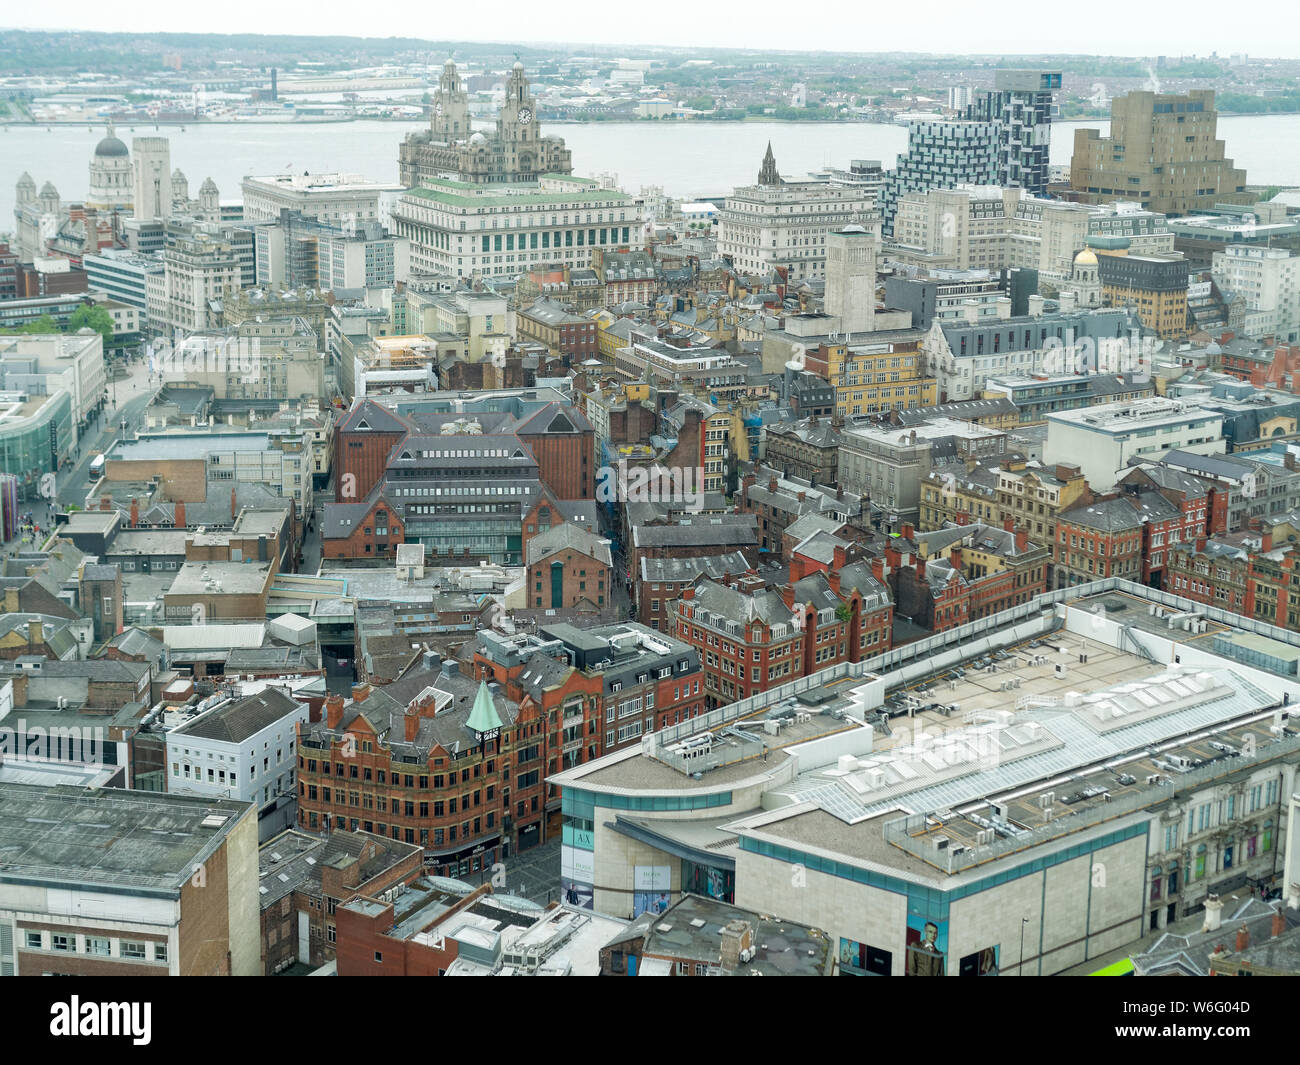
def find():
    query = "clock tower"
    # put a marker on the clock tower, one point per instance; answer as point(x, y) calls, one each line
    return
point(450, 106)
point(517, 126)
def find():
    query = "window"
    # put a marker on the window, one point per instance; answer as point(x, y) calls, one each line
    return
point(33, 941)
point(160, 952)
point(58, 942)
point(132, 950)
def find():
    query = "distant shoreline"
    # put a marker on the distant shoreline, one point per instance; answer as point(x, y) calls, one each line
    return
point(7, 124)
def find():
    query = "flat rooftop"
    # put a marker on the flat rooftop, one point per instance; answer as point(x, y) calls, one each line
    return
point(173, 446)
point(139, 842)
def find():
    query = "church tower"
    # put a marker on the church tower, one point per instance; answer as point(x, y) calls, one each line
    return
point(450, 120)
point(768, 175)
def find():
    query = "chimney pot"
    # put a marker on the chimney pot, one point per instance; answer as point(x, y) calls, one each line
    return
point(1243, 938)
point(333, 711)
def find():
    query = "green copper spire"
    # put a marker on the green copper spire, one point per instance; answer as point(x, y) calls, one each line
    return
point(484, 717)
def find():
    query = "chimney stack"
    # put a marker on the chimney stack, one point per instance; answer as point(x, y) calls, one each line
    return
point(737, 937)
point(1009, 524)
point(1243, 938)
point(907, 531)
point(178, 518)
point(954, 557)
point(360, 692)
point(333, 711)
point(878, 569)
point(232, 503)
point(1022, 540)
point(1201, 541)
point(135, 512)
point(412, 721)
point(1213, 914)
point(1279, 923)
point(1266, 541)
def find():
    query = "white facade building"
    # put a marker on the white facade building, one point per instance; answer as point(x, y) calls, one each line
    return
point(460, 229)
point(787, 225)
point(1268, 279)
point(1101, 440)
point(344, 200)
point(244, 749)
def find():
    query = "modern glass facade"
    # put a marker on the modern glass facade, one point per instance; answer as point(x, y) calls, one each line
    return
point(35, 436)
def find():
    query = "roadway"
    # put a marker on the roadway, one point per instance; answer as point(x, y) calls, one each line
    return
point(133, 394)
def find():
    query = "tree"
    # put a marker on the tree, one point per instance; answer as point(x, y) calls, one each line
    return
point(43, 324)
point(89, 316)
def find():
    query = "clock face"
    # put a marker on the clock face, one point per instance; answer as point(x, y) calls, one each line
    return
point(525, 115)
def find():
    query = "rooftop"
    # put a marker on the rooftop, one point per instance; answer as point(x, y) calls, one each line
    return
point(121, 841)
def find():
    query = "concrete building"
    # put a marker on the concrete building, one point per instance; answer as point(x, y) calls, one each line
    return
point(888, 465)
point(347, 201)
point(851, 254)
point(1268, 279)
point(1161, 151)
point(463, 229)
point(968, 843)
point(783, 225)
point(243, 749)
point(167, 887)
point(1102, 440)
point(152, 194)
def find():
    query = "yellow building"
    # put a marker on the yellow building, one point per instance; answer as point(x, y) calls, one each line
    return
point(1153, 285)
point(878, 375)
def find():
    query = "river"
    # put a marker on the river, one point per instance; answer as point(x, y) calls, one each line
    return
point(688, 159)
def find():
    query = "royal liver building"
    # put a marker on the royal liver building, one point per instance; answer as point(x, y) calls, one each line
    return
point(516, 152)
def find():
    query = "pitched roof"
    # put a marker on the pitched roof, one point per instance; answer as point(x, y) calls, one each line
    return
point(235, 722)
point(568, 537)
point(483, 717)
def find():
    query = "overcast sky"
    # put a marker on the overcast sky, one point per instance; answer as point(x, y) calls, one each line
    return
point(1099, 27)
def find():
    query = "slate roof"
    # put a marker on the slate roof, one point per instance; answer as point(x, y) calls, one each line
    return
point(234, 722)
point(568, 537)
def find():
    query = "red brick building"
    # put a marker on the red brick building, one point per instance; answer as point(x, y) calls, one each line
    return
point(1129, 533)
point(564, 445)
point(1249, 573)
point(568, 566)
point(752, 637)
point(435, 759)
point(363, 441)
point(303, 880)
point(604, 687)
